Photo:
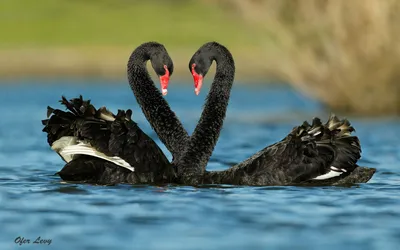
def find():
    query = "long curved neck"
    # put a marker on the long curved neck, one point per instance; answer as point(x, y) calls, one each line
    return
point(206, 133)
point(156, 110)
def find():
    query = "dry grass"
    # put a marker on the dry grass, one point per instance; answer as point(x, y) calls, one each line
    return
point(344, 52)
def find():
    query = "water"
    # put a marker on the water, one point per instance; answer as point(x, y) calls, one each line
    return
point(35, 203)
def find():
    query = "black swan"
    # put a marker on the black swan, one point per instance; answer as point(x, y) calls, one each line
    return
point(320, 154)
point(102, 148)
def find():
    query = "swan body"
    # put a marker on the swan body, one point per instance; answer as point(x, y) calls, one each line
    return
point(316, 154)
point(121, 150)
point(103, 148)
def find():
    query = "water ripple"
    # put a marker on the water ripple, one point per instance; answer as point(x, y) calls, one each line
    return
point(35, 202)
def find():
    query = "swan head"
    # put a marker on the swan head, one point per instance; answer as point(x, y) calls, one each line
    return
point(199, 67)
point(200, 63)
point(163, 66)
point(164, 72)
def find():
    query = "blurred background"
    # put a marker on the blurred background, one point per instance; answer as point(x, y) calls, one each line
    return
point(343, 53)
point(295, 59)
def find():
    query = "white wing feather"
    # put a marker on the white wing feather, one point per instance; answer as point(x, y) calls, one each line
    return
point(333, 173)
point(68, 146)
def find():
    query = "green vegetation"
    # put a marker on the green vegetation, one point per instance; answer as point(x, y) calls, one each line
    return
point(346, 53)
point(50, 23)
point(95, 37)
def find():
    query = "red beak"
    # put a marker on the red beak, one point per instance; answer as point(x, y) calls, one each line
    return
point(164, 80)
point(198, 80)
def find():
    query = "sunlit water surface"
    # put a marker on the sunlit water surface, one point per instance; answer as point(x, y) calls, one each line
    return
point(35, 203)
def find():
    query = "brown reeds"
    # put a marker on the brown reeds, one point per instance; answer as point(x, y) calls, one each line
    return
point(344, 52)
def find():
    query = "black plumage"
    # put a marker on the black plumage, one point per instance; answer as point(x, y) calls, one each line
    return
point(312, 154)
point(307, 155)
point(119, 136)
point(308, 152)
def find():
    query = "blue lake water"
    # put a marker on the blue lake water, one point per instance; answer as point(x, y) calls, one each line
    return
point(35, 203)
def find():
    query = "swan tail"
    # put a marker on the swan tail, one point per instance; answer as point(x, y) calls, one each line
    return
point(332, 141)
point(61, 123)
point(79, 107)
point(58, 124)
point(84, 109)
point(84, 130)
point(347, 146)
